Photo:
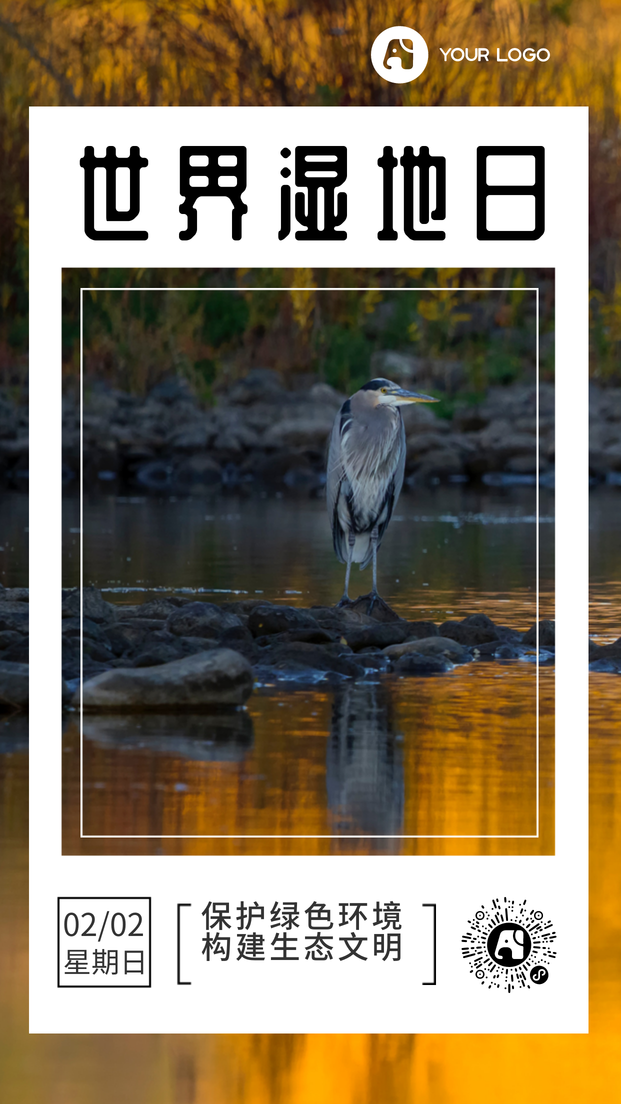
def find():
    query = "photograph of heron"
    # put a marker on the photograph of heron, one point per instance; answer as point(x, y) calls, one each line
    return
point(313, 511)
point(364, 477)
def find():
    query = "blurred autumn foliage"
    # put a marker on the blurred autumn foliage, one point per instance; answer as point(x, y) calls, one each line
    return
point(195, 52)
point(301, 323)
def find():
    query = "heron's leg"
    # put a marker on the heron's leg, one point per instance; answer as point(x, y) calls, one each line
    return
point(347, 574)
point(374, 543)
point(351, 540)
point(374, 594)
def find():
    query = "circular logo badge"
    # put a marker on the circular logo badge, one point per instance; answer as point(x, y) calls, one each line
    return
point(539, 975)
point(399, 55)
point(509, 946)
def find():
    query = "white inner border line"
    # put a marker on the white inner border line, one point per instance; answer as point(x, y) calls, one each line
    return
point(342, 836)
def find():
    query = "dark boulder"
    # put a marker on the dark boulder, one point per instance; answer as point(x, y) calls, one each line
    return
point(608, 652)
point(13, 622)
point(298, 636)
point(206, 620)
point(374, 607)
point(546, 635)
point(18, 652)
point(71, 627)
point(508, 651)
point(476, 629)
point(158, 609)
point(380, 635)
point(155, 654)
point(266, 619)
point(419, 630)
point(94, 606)
point(440, 647)
point(13, 686)
point(311, 656)
point(415, 664)
point(124, 638)
point(606, 666)
point(211, 679)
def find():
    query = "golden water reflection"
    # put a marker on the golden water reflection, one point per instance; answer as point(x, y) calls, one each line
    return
point(351, 769)
point(304, 1069)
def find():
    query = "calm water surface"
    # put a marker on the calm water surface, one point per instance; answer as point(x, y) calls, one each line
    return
point(447, 552)
point(441, 757)
point(356, 768)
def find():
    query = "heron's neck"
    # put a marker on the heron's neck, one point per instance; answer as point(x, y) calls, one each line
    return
point(366, 409)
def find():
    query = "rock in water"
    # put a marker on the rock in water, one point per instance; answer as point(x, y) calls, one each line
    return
point(94, 606)
point(415, 664)
point(313, 657)
point(266, 619)
point(473, 630)
point(375, 607)
point(546, 634)
point(610, 653)
point(202, 619)
point(380, 635)
point(13, 686)
point(441, 647)
point(210, 679)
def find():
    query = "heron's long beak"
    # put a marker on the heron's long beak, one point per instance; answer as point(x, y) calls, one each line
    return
point(403, 396)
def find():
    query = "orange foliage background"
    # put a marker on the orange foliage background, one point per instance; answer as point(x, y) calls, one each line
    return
point(108, 52)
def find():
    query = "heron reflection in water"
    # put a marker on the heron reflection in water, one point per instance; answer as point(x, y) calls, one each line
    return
point(366, 463)
point(364, 769)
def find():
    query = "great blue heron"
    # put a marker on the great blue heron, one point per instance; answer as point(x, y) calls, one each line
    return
point(366, 463)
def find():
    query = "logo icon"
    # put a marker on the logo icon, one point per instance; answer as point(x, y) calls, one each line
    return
point(508, 943)
point(509, 946)
point(539, 975)
point(399, 55)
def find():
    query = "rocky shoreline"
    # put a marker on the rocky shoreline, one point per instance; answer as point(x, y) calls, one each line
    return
point(14, 611)
point(257, 432)
point(175, 653)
